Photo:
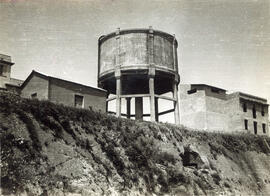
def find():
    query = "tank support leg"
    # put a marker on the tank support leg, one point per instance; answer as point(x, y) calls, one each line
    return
point(107, 103)
point(176, 104)
point(156, 108)
point(138, 108)
point(152, 99)
point(128, 107)
point(118, 99)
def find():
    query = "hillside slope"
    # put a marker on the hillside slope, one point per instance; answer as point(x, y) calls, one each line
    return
point(50, 149)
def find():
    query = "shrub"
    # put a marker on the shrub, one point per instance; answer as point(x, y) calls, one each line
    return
point(176, 176)
point(31, 129)
point(53, 125)
point(164, 158)
point(114, 156)
point(66, 125)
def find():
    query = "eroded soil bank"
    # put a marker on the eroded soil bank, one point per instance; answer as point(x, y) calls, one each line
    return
point(49, 149)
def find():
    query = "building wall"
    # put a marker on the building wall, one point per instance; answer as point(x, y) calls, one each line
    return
point(208, 91)
point(6, 70)
point(64, 93)
point(5, 77)
point(3, 81)
point(37, 85)
point(216, 118)
point(13, 89)
point(192, 108)
point(248, 115)
point(232, 109)
point(203, 109)
point(207, 110)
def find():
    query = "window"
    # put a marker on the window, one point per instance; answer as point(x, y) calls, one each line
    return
point(1, 70)
point(254, 111)
point(255, 127)
point(78, 101)
point(246, 124)
point(244, 107)
point(34, 95)
point(263, 128)
point(262, 111)
point(192, 91)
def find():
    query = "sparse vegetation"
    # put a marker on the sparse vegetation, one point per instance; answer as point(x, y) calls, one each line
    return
point(134, 154)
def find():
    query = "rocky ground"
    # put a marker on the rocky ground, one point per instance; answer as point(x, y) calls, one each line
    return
point(49, 149)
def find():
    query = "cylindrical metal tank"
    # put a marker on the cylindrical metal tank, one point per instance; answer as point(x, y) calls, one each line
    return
point(138, 63)
point(133, 51)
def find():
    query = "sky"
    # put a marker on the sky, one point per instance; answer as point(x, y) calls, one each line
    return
point(224, 43)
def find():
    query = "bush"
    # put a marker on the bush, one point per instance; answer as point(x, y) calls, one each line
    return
point(31, 129)
point(163, 157)
point(53, 125)
point(66, 125)
point(176, 176)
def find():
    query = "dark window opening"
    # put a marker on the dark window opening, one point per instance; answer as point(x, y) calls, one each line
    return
point(192, 91)
point(255, 127)
point(1, 70)
point(246, 124)
point(215, 90)
point(263, 127)
point(254, 111)
point(244, 107)
point(262, 111)
point(34, 95)
point(78, 101)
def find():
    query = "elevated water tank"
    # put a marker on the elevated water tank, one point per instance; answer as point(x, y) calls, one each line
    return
point(137, 63)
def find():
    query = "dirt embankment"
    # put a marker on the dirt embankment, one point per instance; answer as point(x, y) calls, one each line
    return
point(50, 149)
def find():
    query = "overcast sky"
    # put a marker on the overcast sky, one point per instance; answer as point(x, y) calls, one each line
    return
point(225, 43)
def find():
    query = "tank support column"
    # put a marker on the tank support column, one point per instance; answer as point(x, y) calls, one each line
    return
point(107, 103)
point(151, 75)
point(118, 91)
point(128, 106)
point(118, 75)
point(152, 99)
point(176, 103)
point(138, 108)
point(156, 107)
